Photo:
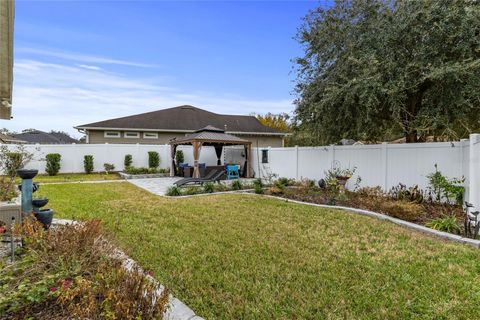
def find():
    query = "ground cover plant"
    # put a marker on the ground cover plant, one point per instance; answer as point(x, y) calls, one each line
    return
point(144, 170)
point(71, 272)
point(244, 256)
point(209, 187)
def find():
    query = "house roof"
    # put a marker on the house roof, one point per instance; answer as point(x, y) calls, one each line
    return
point(210, 135)
point(184, 119)
point(41, 137)
point(8, 139)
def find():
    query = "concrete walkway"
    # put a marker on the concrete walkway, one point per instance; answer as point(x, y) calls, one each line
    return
point(156, 186)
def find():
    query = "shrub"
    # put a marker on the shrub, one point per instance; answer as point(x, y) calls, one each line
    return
point(127, 162)
point(237, 185)
point(88, 163)
point(11, 161)
point(153, 159)
point(71, 272)
point(446, 223)
point(371, 192)
point(258, 182)
point(285, 182)
point(174, 191)
point(220, 187)
point(413, 194)
point(446, 189)
point(258, 188)
point(191, 190)
point(209, 187)
point(276, 190)
point(53, 163)
point(143, 170)
point(109, 167)
point(179, 158)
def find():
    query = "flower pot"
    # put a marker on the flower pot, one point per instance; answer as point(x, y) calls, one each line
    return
point(45, 217)
point(342, 180)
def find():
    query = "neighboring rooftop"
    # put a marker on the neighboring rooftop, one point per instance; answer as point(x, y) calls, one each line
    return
point(9, 139)
point(41, 137)
point(184, 119)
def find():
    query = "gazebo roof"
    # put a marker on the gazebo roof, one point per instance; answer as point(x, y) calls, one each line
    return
point(210, 135)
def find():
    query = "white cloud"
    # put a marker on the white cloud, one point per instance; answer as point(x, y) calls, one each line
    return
point(51, 96)
point(80, 57)
point(86, 66)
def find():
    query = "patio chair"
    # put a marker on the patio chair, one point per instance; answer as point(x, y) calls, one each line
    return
point(213, 176)
point(232, 172)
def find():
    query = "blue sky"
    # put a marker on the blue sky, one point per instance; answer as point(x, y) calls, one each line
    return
point(79, 62)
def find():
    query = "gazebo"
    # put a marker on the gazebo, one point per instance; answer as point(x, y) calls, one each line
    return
point(217, 138)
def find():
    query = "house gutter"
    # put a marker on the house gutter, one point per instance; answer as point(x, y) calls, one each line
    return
point(6, 58)
point(179, 130)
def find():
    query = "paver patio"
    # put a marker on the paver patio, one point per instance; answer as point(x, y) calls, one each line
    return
point(156, 186)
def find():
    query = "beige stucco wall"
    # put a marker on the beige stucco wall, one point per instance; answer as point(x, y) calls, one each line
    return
point(95, 136)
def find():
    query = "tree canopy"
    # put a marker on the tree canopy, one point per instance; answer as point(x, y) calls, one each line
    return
point(378, 70)
point(279, 121)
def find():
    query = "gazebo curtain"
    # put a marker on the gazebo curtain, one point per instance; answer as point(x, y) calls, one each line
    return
point(173, 168)
point(197, 146)
point(218, 152)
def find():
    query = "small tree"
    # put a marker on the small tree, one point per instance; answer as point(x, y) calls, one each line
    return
point(88, 163)
point(109, 167)
point(128, 160)
point(153, 159)
point(10, 162)
point(53, 163)
point(179, 158)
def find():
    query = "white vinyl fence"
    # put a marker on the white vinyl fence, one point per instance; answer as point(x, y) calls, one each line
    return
point(383, 165)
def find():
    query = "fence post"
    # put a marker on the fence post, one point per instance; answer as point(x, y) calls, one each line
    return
point(474, 170)
point(385, 166)
point(331, 154)
point(296, 162)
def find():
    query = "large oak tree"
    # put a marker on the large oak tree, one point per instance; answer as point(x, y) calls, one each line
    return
point(376, 70)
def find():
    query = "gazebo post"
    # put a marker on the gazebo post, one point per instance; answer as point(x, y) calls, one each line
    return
point(196, 155)
point(249, 160)
point(172, 153)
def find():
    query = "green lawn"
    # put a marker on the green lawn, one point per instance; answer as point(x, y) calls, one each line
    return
point(74, 177)
point(246, 257)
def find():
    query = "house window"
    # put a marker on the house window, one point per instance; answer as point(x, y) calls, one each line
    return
point(150, 135)
point(111, 134)
point(133, 135)
point(264, 156)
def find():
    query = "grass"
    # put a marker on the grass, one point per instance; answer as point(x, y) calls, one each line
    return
point(246, 257)
point(74, 177)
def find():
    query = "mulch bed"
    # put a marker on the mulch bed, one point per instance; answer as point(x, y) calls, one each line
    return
point(419, 213)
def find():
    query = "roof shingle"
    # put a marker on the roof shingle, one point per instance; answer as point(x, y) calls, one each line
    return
point(183, 118)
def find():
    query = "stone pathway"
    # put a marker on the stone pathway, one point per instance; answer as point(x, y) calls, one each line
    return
point(156, 186)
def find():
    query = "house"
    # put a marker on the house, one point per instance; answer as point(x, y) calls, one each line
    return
point(37, 136)
point(6, 139)
point(161, 126)
point(6, 58)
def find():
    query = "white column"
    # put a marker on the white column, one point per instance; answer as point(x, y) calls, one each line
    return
point(474, 170)
point(296, 162)
point(384, 169)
